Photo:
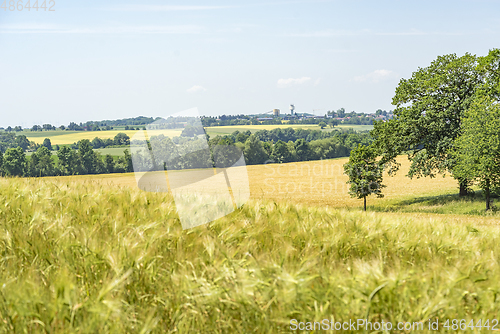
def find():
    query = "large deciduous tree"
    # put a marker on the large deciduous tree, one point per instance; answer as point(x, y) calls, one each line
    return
point(428, 116)
point(365, 173)
point(477, 149)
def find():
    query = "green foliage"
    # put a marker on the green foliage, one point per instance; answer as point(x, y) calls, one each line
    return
point(121, 139)
point(87, 158)
point(41, 163)
point(477, 149)
point(490, 69)
point(322, 125)
point(109, 162)
point(254, 151)
point(23, 142)
point(98, 143)
point(67, 161)
point(303, 150)
point(280, 152)
point(14, 162)
point(429, 109)
point(365, 173)
point(47, 144)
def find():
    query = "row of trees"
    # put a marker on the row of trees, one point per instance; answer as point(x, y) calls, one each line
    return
point(14, 162)
point(10, 140)
point(183, 152)
point(194, 153)
point(447, 120)
point(91, 125)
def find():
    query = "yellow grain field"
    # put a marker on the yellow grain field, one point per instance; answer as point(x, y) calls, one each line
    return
point(318, 183)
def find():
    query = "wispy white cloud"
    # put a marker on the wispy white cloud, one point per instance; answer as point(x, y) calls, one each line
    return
point(196, 89)
point(375, 76)
point(282, 83)
point(59, 29)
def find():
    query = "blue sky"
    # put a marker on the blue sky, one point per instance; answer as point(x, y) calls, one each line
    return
point(95, 60)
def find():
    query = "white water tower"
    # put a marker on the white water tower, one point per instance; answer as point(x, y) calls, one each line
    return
point(292, 109)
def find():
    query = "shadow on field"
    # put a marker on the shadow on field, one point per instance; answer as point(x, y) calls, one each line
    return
point(445, 204)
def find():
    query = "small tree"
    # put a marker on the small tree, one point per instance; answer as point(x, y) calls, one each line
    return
point(365, 173)
point(478, 147)
point(322, 125)
point(121, 139)
point(47, 143)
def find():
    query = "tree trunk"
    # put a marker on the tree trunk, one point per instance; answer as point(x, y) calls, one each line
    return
point(463, 187)
point(487, 193)
point(364, 206)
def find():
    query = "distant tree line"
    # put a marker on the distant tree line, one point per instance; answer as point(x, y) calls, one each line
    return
point(131, 123)
point(183, 152)
point(291, 145)
point(10, 140)
point(15, 162)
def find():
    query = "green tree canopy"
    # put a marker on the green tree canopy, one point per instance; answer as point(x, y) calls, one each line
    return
point(47, 143)
point(254, 151)
point(41, 163)
point(365, 173)
point(280, 152)
point(67, 160)
point(14, 162)
point(477, 149)
point(87, 158)
point(122, 139)
point(427, 119)
point(303, 150)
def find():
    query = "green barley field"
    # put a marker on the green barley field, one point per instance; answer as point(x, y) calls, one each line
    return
point(81, 256)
